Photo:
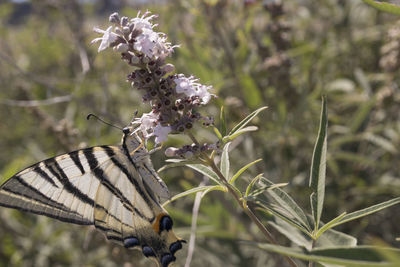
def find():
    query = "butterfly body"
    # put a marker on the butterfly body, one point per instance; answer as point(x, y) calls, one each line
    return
point(114, 188)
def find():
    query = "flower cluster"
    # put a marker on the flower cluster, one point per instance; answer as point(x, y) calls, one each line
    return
point(173, 97)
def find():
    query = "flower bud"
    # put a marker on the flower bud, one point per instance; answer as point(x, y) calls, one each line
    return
point(124, 21)
point(171, 151)
point(168, 68)
point(114, 18)
point(122, 47)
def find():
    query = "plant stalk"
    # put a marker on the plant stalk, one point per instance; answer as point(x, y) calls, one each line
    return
point(240, 201)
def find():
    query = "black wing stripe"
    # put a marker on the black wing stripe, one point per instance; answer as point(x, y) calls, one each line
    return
point(48, 214)
point(56, 170)
point(126, 150)
point(99, 173)
point(111, 154)
point(44, 175)
point(75, 158)
point(35, 194)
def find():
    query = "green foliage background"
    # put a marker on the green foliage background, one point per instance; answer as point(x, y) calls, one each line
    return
point(253, 55)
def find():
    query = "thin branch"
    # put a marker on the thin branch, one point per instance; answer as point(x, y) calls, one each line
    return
point(240, 201)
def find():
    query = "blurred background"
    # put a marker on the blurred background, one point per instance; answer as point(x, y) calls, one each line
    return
point(283, 54)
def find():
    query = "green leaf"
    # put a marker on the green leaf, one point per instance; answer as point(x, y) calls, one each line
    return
point(364, 212)
point(292, 233)
point(385, 7)
point(246, 120)
point(318, 168)
point(224, 166)
point(205, 171)
point(287, 203)
point(177, 163)
point(239, 132)
point(215, 187)
point(223, 121)
point(251, 184)
point(333, 238)
point(360, 256)
point(267, 208)
point(217, 132)
point(193, 191)
point(239, 172)
point(329, 225)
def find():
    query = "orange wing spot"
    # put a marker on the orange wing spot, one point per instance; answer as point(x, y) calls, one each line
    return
point(156, 224)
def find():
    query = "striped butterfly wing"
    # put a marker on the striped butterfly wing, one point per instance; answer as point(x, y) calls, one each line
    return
point(109, 187)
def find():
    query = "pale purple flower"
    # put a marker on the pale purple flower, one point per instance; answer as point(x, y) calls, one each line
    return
point(147, 123)
point(161, 133)
point(107, 38)
point(190, 87)
point(143, 22)
point(153, 44)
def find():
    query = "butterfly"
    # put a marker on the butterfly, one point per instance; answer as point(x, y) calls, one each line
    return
point(114, 188)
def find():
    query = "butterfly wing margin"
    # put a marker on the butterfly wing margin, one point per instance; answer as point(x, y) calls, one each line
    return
point(99, 186)
point(62, 187)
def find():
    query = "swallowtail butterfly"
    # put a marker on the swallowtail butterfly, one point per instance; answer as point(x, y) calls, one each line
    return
point(114, 188)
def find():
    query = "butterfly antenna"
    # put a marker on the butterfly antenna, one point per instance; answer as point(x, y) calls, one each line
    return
point(101, 120)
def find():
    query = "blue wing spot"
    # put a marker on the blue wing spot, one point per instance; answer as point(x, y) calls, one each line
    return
point(166, 259)
point(131, 242)
point(166, 223)
point(174, 247)
point(148, 251)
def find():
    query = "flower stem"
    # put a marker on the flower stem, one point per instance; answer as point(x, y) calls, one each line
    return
point(242, 203)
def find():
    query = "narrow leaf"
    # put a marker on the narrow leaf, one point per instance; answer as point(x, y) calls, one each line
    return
point(332, 238)
point(329, 225)
point(287, 203)
point(205, 171)
point(223, 121)
point(192, 191)
point(239, 132)
point(239, 172)
point(364, 212)
point(246, 120)
point(225, 165)
point(345, 256)
point(215, 187)
point(267, 208)
point(251, 184)
point(177, 163)
point(318, 168)
point(386, 7)
point(292, 233)
point(217, 132)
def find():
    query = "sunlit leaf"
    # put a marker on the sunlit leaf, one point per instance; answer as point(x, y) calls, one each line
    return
point(318, 168)
point(268, 208)
point(287, 203)
point(205, 171)
point(223, 121)
point(225, 165)
point(239, 132)
point(329, 224)
point(251, 184)
point(364, 212)
point(177, 163)
point(192, 191)
point(246, 120)
point(239, 172)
